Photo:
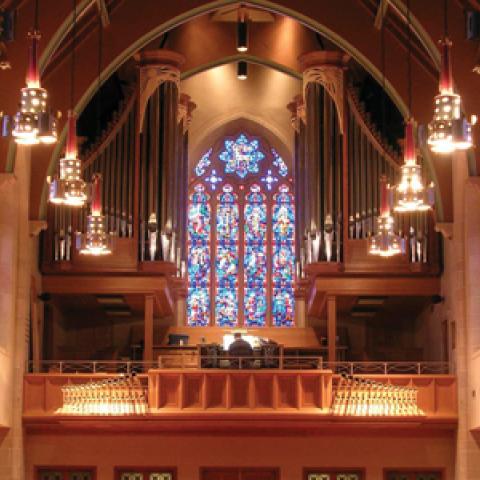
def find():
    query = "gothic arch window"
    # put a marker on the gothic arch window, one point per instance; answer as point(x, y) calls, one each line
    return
point(241, 236)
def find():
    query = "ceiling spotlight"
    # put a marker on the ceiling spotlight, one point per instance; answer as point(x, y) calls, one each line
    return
point(242, 70)
point(242, 32)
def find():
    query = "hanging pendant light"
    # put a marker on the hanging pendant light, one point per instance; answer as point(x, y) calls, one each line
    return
point(96, 240)
point(242, 31)
point(385, 242)
point(34, 122)
point(449, 130)
point(410, 195)
point(242, 70)
point(69, 188)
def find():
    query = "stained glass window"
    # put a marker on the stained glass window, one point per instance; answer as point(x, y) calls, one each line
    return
point(279, 162)
point(335, 476)
point(283, 258)
point(226, 298)
point(203, 164)
point(241, 237)
point(241, 156)
point(198, 302)
point(66, 474)
point(255, 258)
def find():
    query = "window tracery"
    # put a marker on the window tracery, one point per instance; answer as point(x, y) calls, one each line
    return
point(241, 237)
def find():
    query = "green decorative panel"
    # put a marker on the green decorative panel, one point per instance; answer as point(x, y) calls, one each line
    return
point(414, 476)
point(334, 476)
point(80, 476)
point(51, 475)
point(160, 476)
point(131, 476)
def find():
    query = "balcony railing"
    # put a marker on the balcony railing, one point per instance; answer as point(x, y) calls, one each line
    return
point(187, 361)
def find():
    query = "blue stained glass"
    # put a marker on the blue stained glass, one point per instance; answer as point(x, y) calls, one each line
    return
point(241, 156)
point(198, 301)
point(226, 263)
point(213, 179)
point(283, 300)
point(203, 164)
point(279, 163)
point(255, 259)
point(269, 179)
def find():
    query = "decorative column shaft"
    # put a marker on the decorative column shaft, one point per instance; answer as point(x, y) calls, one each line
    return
point(323, 92)
point(185, 109)
point(159, 168)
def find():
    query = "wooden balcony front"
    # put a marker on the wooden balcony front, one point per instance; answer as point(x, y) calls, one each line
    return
point(232, 399)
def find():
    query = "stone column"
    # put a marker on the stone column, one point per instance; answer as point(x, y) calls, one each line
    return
point(15, 267)
point(461, 296)
point(185, 109)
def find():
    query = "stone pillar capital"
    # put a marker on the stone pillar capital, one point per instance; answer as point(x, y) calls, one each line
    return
point(156, 67)
point(327, 68)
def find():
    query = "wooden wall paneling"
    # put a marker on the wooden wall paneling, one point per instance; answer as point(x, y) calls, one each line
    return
point(53, 393)
point(170, 387)
point(310, 391)
point(240, 390)
point(216, 389)
point(264, 390)
point(34, 395)
point(445, 396)
point(193, 390)
point(287, 391)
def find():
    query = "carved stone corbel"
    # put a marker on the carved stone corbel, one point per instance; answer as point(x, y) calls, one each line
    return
point(328, 70)
point(156, 67)
point(185, 109)
point(297, 112)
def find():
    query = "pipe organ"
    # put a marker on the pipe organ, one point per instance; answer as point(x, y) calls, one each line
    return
point(339, 159)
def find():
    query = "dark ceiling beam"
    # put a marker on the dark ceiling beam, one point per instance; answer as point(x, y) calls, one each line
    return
point(380, 15)
point(103, 12)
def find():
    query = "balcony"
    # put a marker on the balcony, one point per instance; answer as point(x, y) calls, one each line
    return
point(222, 399)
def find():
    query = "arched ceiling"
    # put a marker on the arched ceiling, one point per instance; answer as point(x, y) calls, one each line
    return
point(221, 98)
point(347, 23)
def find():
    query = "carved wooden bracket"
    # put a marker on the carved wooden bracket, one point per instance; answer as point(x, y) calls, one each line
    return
point(328, 70)
point(156, 67)
point(36, 226)
point(446, 229)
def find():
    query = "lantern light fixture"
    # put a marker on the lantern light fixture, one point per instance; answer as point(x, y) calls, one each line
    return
point(449, 130)
point(68, 188)
point(385, 243)
point(34, 123)
point(410, 194)
point(96, 240)
point(242, 70)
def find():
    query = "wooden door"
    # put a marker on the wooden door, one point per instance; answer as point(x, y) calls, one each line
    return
point(236, 473)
